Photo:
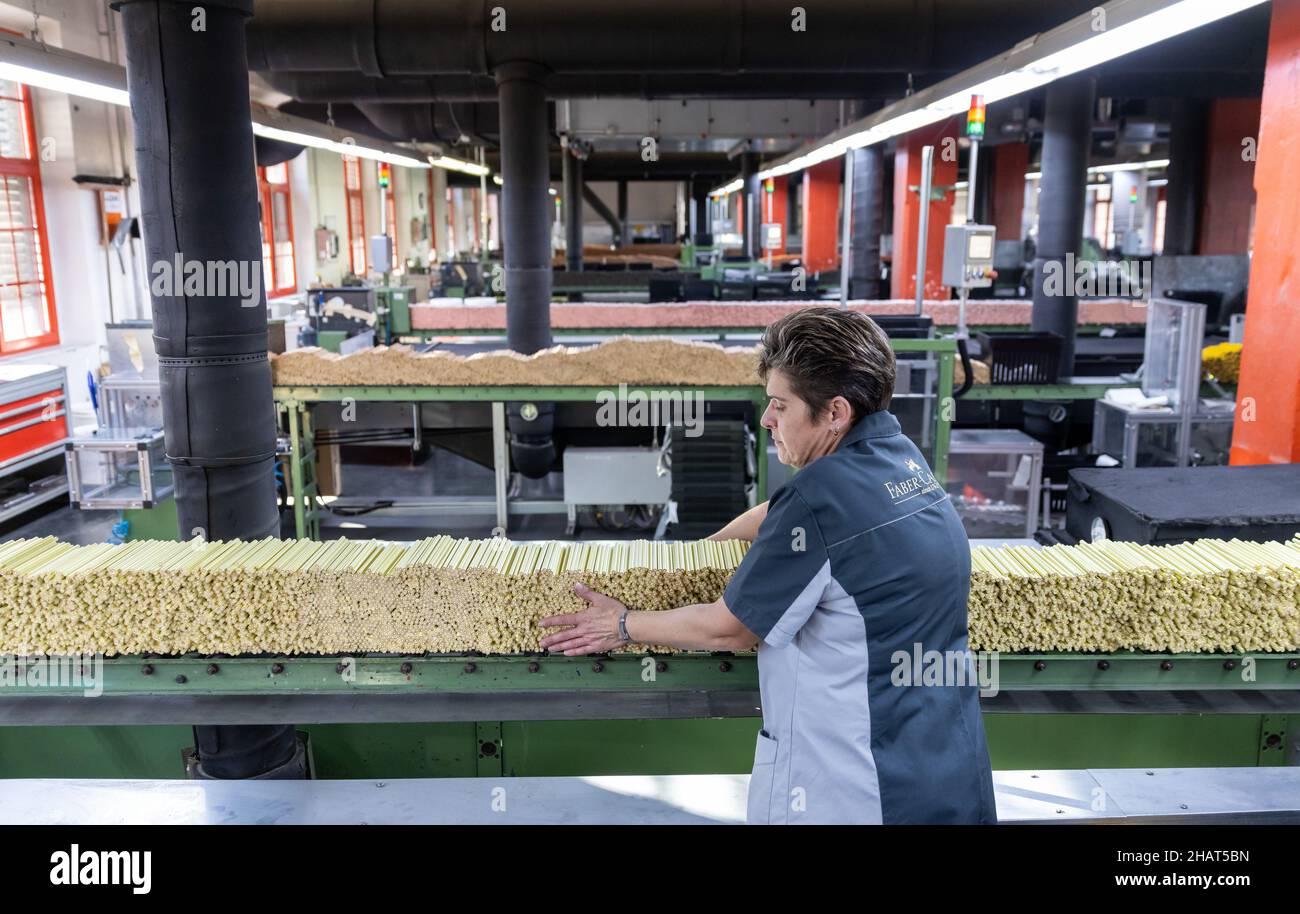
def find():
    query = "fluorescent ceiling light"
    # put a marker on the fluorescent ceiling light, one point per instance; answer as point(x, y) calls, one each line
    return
point(1070, 48)
point(1128, 166)
point(461, 165)
point(496, 179)
point(729, 188)
point(45, 67)
point(275, 125)
point(1110, 169)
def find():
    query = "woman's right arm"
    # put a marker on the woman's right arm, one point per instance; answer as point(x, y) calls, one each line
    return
point(744, 527)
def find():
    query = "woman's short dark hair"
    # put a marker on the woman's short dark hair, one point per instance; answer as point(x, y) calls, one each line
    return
point(828, 353)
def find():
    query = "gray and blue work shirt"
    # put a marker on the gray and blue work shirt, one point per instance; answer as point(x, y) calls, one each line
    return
point(861, 560)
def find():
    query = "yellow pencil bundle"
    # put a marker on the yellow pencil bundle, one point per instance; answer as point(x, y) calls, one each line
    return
point(442, 594)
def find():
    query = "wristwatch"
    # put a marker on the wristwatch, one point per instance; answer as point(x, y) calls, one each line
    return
point(622, 627)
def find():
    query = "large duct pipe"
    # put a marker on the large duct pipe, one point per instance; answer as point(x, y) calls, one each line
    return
point(1067, 136)
point(572, 177)
point(349, 86)
point(868, 221)
point(442, 122)
point(416, 37)
point(198, 194)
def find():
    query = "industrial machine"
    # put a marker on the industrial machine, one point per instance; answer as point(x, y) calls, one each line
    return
point(343, 316)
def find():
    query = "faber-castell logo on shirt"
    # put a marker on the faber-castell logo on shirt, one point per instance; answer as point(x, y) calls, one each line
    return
point(921, 482)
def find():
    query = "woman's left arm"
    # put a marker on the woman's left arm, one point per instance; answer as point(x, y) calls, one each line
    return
point(699, 627)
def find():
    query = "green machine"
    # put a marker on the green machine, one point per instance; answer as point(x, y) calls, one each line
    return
point(393, 310)
point(371, 716)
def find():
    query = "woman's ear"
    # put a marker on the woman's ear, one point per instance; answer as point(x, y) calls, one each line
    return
point(841, 413)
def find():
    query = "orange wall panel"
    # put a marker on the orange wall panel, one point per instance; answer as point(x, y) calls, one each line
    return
point(821, 206)
point(1267, 429)
point(907, 209)
point(1228, 200)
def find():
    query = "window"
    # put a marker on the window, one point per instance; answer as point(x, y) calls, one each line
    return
point(356, 214)
point(277, 230)
point(27, 316)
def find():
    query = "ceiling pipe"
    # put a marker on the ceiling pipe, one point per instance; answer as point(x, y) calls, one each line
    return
point(350, 86)
point(397, 38)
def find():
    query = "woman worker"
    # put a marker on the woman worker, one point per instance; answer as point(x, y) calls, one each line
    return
point(859, 556)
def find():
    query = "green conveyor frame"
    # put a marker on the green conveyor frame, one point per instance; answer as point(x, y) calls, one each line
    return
point(296, 402)
point(680, 675)
point(388, 716)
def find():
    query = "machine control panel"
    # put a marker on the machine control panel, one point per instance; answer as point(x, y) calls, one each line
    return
point(968, 256)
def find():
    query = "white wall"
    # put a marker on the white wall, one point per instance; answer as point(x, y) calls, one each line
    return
point(76, 136)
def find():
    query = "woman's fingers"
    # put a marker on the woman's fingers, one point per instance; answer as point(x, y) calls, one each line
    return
point(564, 619)
point(561, 640)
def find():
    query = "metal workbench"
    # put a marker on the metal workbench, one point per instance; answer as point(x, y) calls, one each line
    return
point(1098, 796)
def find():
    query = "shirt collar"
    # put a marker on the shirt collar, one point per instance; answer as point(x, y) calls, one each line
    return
point(880, 424)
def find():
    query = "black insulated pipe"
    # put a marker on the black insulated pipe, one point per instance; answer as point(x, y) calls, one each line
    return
point(353, 86)
point(1187, 126)
point(572, 177)
point(526, 206)
point(868, 221)
point(188, 81)
point(419, 37)
point(1067, 137)
point(526, 211)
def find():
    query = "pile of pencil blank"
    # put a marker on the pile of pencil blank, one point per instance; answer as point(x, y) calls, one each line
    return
point(446, 595)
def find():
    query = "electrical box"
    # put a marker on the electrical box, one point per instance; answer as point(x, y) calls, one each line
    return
point(381, 254)
point(772, 240)
point(614, 476)
point(968, 256)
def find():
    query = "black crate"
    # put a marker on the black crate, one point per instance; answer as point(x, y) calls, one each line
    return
point(1021, 358)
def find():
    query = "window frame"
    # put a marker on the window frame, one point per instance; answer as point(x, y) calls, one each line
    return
point(355, 206)
point(266, 191)
point(30, 168)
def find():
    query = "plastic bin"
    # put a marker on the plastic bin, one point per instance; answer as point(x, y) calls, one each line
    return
point(1021, 358)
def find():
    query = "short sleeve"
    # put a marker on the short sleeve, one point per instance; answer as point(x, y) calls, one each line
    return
point(784, 574)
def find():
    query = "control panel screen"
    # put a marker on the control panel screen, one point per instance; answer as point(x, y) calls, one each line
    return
point(979, 247)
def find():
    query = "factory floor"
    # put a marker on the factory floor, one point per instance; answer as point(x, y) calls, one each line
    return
point(376, 473)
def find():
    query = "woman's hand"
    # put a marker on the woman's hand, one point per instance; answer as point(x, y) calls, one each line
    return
point(595, 629)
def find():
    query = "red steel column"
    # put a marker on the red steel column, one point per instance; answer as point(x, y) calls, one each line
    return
point(907, 208)
point(1267, 429)
point(1010, 162)
point(821, 205)
point(1229, 195)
